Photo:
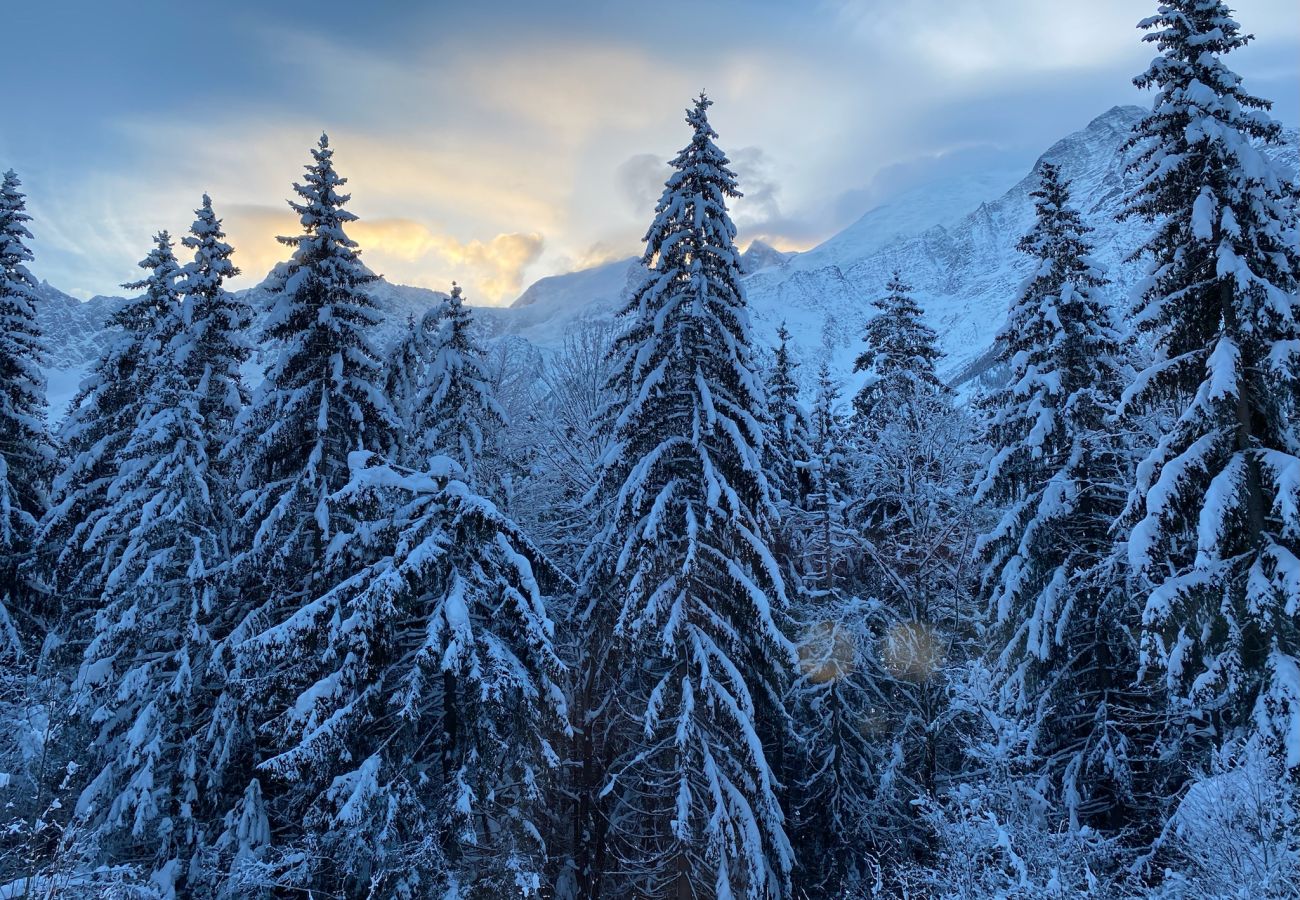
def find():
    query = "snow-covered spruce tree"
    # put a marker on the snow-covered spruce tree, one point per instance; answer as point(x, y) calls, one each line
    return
point(455, 413)
point(680, 582)
point(1068, 663)
point(786, 451)
point(899, 358)
point(144, 685)
point(1215, 511)
point(27, 452)
point(99, 423)
point(914, 461)
point(211, 344)
point(837, 695)
point(827, 539)
point(321, 396)
point(786, 456)
point(404, 372)
point(911, 445)
point(415, 698)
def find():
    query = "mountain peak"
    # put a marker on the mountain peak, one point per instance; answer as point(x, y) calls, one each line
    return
point(761, 255)
point(1124, 116)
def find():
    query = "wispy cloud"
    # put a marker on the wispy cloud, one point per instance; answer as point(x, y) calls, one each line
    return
point(496, 147)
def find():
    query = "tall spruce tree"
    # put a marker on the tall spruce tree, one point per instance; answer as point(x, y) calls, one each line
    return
point(681, 578)
point(1068, 663)
point(913, 465)
point(454, 413)
point(211, 344)
point(321, 396)
point(27, 452)
point(100, 421)
point(836, 697)
point(827, 538)
point(404, 372)
point(787, 450)
point(899, 358)
point(1215, 511)
point(145, 686)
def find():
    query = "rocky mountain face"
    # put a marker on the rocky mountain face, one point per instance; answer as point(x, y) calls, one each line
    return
point(953, 240)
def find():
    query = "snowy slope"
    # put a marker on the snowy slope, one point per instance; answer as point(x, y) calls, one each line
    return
point(954, 240)
point(964, 269)
point(77, 332)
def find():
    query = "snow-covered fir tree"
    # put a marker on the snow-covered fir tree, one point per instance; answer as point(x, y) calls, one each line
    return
point(913, 463)
point(413, 704)
point(100, 421)
point(899, 358)
point(1215, 513)
point(827, 539)
point(404, 372)
point(27, 452)
point(212, 341)
point(681, 579)
point(144, 686)
point(786, 451)
point(455, 413)
point(837, 695)
point(1069, 664)
point(321, 396)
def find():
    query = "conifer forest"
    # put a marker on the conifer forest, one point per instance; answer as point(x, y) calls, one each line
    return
point(672, 609)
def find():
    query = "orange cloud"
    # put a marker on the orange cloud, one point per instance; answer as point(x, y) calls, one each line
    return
point(410, 252)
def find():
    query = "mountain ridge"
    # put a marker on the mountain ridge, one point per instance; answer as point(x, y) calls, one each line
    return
point(963, 267)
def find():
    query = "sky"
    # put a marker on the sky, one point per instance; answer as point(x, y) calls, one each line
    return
point(497, 143)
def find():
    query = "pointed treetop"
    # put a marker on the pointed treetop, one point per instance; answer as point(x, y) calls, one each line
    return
point(12, 217)
point(699, 114)
point(211, 253)
point(143, 314)
point(160, 258)
point(323, 245)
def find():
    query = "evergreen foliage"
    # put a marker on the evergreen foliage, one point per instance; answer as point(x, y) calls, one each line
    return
point(1214, 516)
point(899, 358)
point(1069, 667)
point(102, 417)
point(681, 578)
point(27, 452)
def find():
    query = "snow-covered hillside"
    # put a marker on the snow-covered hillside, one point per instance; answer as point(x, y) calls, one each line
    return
point(954, 240)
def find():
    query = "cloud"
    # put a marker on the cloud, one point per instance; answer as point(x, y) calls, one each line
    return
point(468, 135)
point(640, 179)
point(405, 251)
point(607, 251)
point(753, 170)
point(410, 252)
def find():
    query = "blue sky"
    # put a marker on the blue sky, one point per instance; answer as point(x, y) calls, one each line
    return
point(497, 143)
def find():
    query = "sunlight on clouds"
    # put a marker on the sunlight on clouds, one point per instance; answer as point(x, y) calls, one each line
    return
point(404, 251)
point(409, 252)
point(1000, 37)
point(572, 88)
point(252, 230)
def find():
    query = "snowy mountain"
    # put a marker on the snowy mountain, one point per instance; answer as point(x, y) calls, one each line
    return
point(953, 240)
